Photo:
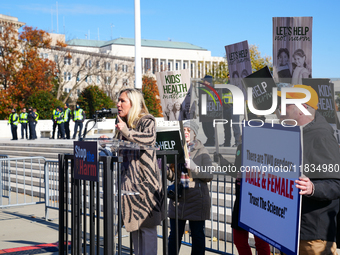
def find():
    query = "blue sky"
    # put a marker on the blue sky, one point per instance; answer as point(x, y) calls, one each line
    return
point(208, 24)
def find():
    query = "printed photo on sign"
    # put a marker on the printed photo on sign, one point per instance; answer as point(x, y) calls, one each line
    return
point(292, 49)
point(174, 90)
point(239, 64)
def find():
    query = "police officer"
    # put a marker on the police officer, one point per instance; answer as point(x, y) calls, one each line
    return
point(13, 121)
point(54, 119)
point(67, 118)
point(31, 123)
point(60, 123)
point(23, 117)
point(37, 117)
point(78, 118)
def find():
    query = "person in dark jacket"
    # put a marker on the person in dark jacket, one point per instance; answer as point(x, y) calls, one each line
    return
point(54, 116)
point(320, 189)
point(67, 118)
point(13, 120)
point(194, 204)
point(31, 123)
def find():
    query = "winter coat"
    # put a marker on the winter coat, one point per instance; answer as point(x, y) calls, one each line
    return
point(140, 175)
point(195, 201)
point(318, 212)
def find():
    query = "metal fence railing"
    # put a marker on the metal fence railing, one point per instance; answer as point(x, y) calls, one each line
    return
point(21, 181)
point(32, 180)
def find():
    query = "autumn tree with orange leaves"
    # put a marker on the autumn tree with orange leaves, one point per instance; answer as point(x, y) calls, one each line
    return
point(23, 71)
point(151, 96)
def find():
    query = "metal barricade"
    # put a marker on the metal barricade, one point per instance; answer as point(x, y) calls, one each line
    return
point(21, 181)
point(4, 176)
point(88, 208)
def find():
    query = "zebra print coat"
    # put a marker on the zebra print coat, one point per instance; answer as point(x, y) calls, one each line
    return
point(141, 174)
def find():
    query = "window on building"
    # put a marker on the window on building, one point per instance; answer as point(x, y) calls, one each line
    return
point(67, 61)
point(67, 76)
point(116, 67)
point(78, 92)
point(78, 61)
point(2, 29)
point(107, 80)
point(147, 65)
point(184, 65)
point(176, 65)
point(56, 58)
point(169, 66)
point(107, 66)
point(154, 66)
point(97, 64)
point(78, 77)
point(44, 55)
point(124, 68)
point(192, 70)
point(98, 79)
point(90, 63)
point(88, 79)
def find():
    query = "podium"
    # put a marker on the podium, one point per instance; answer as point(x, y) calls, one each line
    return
point(92, 210)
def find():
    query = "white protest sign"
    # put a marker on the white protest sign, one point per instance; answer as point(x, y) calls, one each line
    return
point(174, 92)
point(270, 202)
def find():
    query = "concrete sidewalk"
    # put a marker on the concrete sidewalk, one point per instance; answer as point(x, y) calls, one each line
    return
point(24, 230)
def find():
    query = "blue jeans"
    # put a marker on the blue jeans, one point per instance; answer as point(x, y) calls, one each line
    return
point(197, 235)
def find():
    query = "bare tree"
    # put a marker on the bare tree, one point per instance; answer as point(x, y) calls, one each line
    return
point(78, 69)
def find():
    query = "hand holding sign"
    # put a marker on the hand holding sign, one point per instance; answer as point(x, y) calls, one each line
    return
point(305, 185)
point(121, 124)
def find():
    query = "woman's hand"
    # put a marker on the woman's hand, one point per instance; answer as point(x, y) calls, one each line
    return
point(121, 124)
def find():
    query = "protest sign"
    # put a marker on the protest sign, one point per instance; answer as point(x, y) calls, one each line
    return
point(292, 49)
point(262, 84)
point(239, 64)
point(174, 90)
point(170, 140)
point(86, 161)
point(269, 200)
point(326, 105)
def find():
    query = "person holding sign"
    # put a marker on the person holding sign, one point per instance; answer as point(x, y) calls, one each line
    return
point(194, 204)
point(320, 186)
point(143, 211)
